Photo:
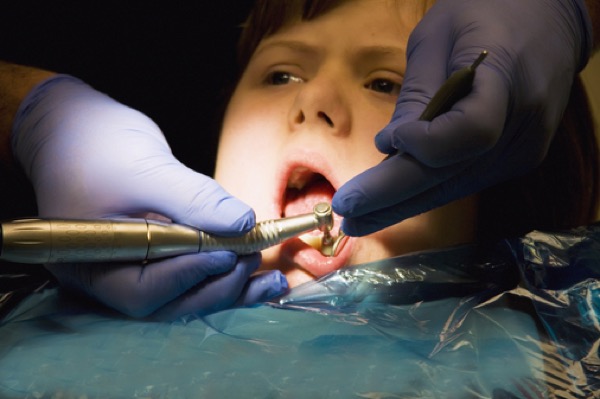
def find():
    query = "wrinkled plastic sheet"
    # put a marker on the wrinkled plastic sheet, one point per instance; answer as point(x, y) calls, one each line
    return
point(517, 320)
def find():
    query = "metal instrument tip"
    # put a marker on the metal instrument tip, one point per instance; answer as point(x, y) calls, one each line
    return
point(479, 59)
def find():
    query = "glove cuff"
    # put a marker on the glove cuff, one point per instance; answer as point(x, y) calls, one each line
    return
point(21, 123)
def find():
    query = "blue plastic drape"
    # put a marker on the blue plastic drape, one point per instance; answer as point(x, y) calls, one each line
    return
point(517, 320)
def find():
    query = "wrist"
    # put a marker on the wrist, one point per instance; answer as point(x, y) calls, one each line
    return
point(43, 118)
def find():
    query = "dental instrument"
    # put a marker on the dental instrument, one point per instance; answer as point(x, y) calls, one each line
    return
point(330, 245)
point(457, 86)
point(327, 244)
point(110, 240)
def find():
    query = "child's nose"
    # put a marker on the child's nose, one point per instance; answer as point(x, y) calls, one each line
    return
point(322, 104)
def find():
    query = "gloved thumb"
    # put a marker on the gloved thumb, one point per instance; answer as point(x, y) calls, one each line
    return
point(263, 286)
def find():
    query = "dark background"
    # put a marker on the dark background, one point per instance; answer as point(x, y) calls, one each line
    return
point(174, 61)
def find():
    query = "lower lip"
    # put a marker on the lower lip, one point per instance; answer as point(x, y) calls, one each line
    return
point(311, 260)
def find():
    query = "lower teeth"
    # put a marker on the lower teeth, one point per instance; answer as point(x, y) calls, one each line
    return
point(312, 240)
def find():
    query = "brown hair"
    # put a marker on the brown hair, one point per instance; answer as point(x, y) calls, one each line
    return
point(560, 193)
point(268, 17)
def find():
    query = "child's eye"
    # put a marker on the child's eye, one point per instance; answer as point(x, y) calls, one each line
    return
point(282, 78)
point(384, 86)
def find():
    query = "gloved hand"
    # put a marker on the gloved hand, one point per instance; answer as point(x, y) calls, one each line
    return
point(89, 156)
point(502, 129)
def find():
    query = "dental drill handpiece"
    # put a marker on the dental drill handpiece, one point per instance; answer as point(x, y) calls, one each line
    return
point(115, 240)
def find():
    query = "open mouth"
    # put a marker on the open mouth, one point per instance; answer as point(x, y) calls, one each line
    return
point(304, 189)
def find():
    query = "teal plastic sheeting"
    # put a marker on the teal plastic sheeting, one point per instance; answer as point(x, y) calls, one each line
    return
point(519, 320)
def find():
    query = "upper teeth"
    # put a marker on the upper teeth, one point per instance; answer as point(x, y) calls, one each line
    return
point(298, 178)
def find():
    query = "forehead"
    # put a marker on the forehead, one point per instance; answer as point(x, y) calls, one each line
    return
point(269, 17)
point(357, 21)
point(367, 19)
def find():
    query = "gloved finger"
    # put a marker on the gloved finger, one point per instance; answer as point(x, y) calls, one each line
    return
point(138, 290)
point(388, 183)
point(263, 286)
point(213, 294)
point(163, 186)
point(456, 187)
point(473, 125)
point(184, 196)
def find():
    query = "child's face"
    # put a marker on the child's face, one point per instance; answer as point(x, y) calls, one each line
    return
point(301, 122)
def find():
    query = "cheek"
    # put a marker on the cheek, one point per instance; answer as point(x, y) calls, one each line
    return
point(241, 124)
point(242, 164)
point(405, 237)
point(239, 127)
point(361, 153)
point(449, 225)
point(247, 149)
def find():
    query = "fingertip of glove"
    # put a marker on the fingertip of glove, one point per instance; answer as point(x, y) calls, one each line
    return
point(228, 217)
point(263, 287)
point(349, 228)
point(242, 216)
point(337, 202)
point(383, 142)
point(246, 221)
point(280, 285)
point(354, 228)
point(272, 284)
point(344, 202)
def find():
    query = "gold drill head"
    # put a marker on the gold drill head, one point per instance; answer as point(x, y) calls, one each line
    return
point(330, 246)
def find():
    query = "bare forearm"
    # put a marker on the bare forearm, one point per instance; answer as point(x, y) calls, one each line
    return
point(593, 7)
point(15, 82)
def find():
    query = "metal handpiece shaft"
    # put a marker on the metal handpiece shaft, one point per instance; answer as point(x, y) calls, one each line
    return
point(105, 240)
point(102, 240)
point(268, 233)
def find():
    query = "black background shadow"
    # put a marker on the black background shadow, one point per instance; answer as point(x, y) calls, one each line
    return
point(173, 61)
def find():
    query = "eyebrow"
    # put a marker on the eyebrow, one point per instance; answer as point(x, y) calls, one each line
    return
point(294, 45)
point(377, 52)
point(365, 52)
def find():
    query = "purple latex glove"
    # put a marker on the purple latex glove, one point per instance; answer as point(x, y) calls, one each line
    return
point(89, 156)
point(502, 129)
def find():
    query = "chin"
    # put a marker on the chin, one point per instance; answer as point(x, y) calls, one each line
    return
point(298, 277)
